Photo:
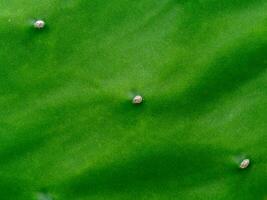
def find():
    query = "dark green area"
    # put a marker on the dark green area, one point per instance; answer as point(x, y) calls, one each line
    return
point(68, 129)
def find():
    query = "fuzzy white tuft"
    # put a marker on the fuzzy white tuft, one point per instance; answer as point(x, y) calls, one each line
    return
point(39, 24)
point(244, 164)
point(137, 99)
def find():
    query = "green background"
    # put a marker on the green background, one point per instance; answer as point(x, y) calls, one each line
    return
point(68, 129)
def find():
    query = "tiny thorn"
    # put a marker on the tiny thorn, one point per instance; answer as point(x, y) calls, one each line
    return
point(137, 99)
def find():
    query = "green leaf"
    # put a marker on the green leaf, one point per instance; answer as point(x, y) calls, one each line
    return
point(69, 129)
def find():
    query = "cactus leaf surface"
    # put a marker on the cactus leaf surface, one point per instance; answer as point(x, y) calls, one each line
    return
point(72, 129)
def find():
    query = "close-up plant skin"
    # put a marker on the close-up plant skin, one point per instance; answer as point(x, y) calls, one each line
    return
point(133, 99)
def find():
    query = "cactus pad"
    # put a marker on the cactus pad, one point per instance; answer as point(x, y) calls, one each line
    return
point(68, 126)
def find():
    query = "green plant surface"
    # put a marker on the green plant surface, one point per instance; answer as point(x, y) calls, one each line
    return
point(69, 130)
